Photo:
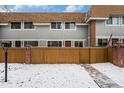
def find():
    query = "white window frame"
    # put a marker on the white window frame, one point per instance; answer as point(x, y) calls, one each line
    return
point(55, 41)
point(112, 23)
point(78, 43)
point(28, 29)
point(15, 29)
point(122, 21)
point(56, 22)
point(70, 29)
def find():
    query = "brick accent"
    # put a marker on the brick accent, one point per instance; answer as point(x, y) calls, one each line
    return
point(28, 54)
point(92, 33)
point(118, 56)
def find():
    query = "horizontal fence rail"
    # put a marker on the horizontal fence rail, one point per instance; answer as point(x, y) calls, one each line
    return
point(59, 55)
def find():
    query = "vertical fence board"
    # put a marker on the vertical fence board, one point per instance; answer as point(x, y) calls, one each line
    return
point(84, 55)
point(1, 55)
point(37, 56)
point(110, 54)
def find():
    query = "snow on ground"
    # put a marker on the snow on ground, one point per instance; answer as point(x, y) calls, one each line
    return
point(112, 71)
point(46, 75)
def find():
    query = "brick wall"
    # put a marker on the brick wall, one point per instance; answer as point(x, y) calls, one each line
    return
point(118, 56)
point(92, 33)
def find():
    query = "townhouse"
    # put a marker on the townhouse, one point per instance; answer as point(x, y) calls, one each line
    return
point(63, 29)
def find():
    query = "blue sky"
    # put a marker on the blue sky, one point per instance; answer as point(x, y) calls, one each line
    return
point(49, 8)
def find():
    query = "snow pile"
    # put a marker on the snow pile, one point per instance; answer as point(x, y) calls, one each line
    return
point(46, 75)
point(112, 71)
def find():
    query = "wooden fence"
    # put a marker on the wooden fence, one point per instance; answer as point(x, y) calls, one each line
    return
point(59, 55)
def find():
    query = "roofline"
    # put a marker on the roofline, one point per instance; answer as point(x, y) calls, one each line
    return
point(96, 18)
point(44, 12)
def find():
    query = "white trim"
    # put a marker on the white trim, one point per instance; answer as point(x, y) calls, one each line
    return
point(43, 39)
point(70, 29)
point(122, 20)
point(96, 18)
point(23, 26)
point(114, 24)
point(82, 24)
point(46, 40)
point(41, 24)
point(109, 36)
point(57, 29)
point(4, 24)
point(15, 29)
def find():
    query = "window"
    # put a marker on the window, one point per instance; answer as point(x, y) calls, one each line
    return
point(17, 43)
point(56, 25)
point(10, 45)
point(113, 21)
point(109, 21)
point(54, 43)
point(32, 43)
point(70, 25)
point(67, 43)
point(0, 43)
point(123, 20)
point(15, 25)
point(114, 40)
point(28, 25)
point(102, 42)
point(78, 43)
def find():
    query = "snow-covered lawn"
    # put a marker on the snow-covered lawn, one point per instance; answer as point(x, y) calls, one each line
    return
point(46, 75)
point(112, 71)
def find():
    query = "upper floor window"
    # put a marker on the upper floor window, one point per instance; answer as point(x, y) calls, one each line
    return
point(70, 25)
point(123, 20)
point(28, 25)
point(56, 25)
point(113, 21)
point(15, 25)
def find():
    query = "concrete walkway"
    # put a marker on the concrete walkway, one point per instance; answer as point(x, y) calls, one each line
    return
point(99, 78)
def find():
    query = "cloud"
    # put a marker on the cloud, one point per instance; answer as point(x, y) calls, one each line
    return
point(4, 8)
point(16, 8)
point(42, 7)
point(73, 8)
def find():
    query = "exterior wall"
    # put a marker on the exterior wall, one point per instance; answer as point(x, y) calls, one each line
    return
point(92, 33)
point(103, 30)
point(43, 32)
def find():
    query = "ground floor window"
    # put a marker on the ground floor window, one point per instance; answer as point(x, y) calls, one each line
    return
point(32, 43)
point(78, 43)
point(46, 43)
point(114, 40)
point(10, 45)
point(67, 43)
point(17, 43)
point(54, 43)
point(102, 42)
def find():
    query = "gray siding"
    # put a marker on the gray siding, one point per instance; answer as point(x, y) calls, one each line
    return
point(103, 30)
point(43, 32)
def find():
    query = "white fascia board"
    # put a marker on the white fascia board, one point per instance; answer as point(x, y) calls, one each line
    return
point(97, 18)
point(109, 36)
point(41, 23)
point(4, 24)
point(81, 24)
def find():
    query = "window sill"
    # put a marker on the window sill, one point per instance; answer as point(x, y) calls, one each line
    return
point(112, 25)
